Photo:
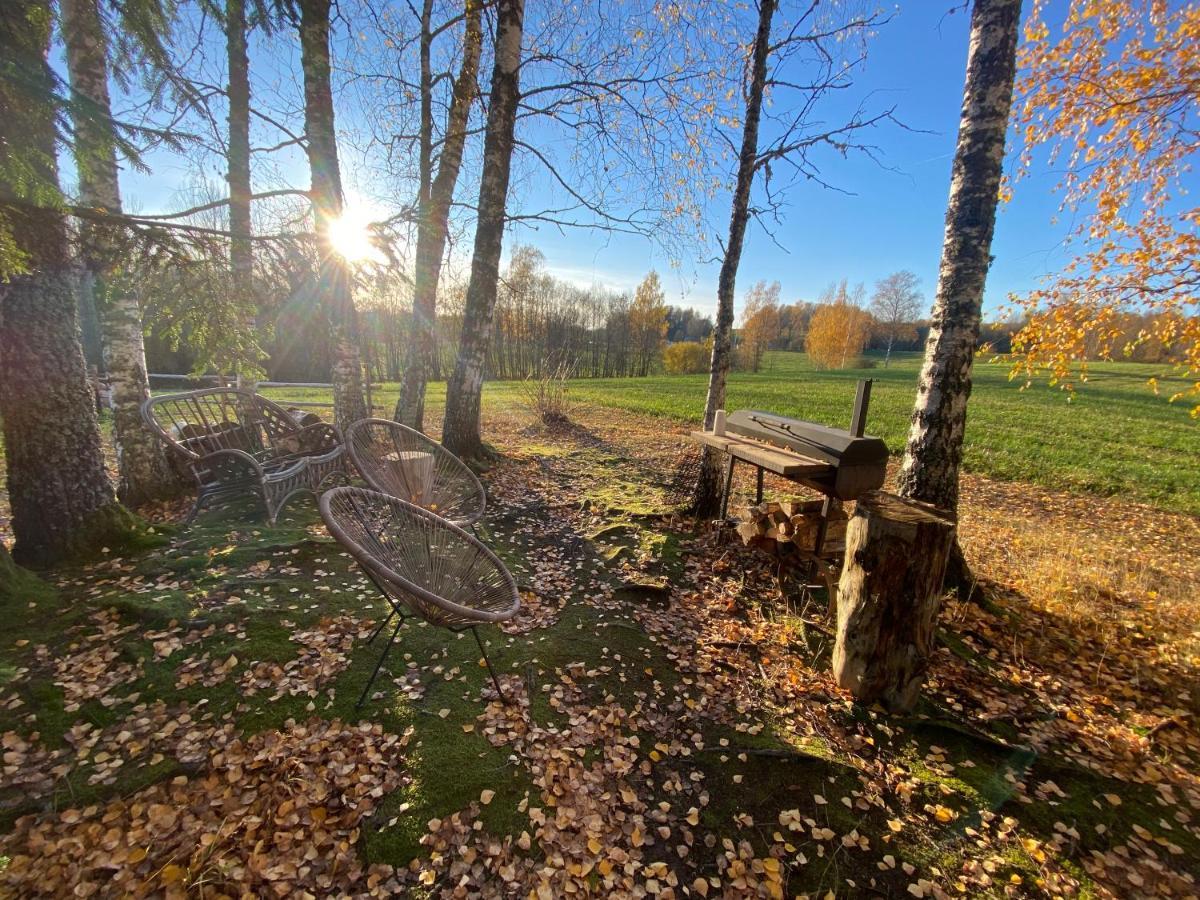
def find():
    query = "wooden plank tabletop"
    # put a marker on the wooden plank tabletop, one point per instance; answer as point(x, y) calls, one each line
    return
point(773, 459)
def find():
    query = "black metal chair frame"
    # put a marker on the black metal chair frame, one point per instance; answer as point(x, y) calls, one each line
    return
point(452, 479)
point(398, 613)
point(394, 587)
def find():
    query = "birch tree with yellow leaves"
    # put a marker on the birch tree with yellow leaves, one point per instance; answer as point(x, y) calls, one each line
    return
point(1111, 95)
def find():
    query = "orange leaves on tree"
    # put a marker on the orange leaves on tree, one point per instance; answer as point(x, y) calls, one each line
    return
point(1112, 95)
point(837, 334)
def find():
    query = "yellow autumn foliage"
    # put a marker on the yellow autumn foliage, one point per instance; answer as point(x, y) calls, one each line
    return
point(1111, 96)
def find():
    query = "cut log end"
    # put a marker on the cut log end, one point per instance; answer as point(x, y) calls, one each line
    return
point(790, 521)
point(888, 598)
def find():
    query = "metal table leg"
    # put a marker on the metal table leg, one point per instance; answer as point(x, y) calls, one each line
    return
point(728, 486)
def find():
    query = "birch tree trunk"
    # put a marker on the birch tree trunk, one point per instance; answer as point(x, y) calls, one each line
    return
point(143, 473)
point(708, 500)
point(933, 456)
point(434, 206)
point(62, 502)
point(334, 287)
point(460, 431)
point(241, 251)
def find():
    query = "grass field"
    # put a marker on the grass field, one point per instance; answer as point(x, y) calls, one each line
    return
point(1114, 438)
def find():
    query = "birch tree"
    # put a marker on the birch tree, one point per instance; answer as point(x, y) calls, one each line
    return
point(143, 473)
point(648, 322)
point(237, 154)
point(895, 305)
point(435, 194)
point(1110, 91)
point(760, 321)
point(933, 455)
point(616, 96)
point(826, 51)
point(334, 281)
point(461, 431)
point(61, 498)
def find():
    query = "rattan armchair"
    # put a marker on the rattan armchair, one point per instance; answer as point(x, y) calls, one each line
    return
point(237, 443)
point(401, 462)
point(425, 566)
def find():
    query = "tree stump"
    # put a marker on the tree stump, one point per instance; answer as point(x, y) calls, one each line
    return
point(888, 597)
point(413, 471)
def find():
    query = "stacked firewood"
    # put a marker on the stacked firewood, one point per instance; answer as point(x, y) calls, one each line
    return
point(771, 523)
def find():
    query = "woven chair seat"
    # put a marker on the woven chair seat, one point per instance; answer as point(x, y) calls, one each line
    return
point(430, 567)
point(401, 462)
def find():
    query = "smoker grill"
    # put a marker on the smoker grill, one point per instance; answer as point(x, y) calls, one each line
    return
point(841, 464)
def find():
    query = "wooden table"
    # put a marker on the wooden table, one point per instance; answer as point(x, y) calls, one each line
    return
point(763, 457)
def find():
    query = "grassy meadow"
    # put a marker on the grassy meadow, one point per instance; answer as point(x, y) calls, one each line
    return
point(1113, 438)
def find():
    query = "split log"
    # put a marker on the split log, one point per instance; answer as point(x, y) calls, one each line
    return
point(888, 598)
point(414, 471)
point(789, 521)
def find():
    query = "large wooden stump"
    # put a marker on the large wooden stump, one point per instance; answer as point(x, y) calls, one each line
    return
point(412, 474)
point(896, 553)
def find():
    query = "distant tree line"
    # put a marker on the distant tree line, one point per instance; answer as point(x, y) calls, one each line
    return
point(540, 321)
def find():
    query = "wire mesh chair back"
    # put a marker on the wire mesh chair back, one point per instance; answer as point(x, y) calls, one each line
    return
point(197, 423)
point(401, 462)
point(430, 566)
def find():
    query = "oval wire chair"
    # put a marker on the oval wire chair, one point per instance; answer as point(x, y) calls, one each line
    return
point(424, 565)
point(401, 462)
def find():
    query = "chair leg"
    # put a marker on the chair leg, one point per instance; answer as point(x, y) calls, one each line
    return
point(379, 665)
point(491, 671)
point(195, 510)
point(382, 625)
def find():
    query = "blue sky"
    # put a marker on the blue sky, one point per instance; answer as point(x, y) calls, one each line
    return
point(889, 217)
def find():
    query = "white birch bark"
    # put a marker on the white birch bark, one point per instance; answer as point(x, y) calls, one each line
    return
point(335, 283)
point(436, 196)
point(708, 488)
point(461, 431)
point(933, 456)
point(143, 473)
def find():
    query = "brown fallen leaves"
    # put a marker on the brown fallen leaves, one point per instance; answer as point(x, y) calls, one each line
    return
point(324, 652)
point(92, 668)
point(276, 813)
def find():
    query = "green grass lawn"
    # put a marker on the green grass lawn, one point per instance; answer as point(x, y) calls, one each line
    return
point(1115, 437)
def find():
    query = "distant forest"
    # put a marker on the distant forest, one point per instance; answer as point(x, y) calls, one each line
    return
point(540, 321)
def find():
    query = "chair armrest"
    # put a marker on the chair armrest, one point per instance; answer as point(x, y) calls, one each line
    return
point(319, 437)
point(224, 464)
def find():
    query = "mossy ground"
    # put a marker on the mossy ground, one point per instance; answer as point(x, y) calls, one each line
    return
point(231, 569)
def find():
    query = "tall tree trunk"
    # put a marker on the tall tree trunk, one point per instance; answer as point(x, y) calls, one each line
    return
point(933, 455)
point(241, 249)
point(335, 287)
point(435, 207)
point(142, 468)
point(708, 488)
point(460, 431)
point(62, 501)
point(935, 440)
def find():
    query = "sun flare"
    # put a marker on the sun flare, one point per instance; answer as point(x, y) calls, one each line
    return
point(350, 235)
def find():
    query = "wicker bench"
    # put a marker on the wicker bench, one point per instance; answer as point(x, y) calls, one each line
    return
point(235, 443)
